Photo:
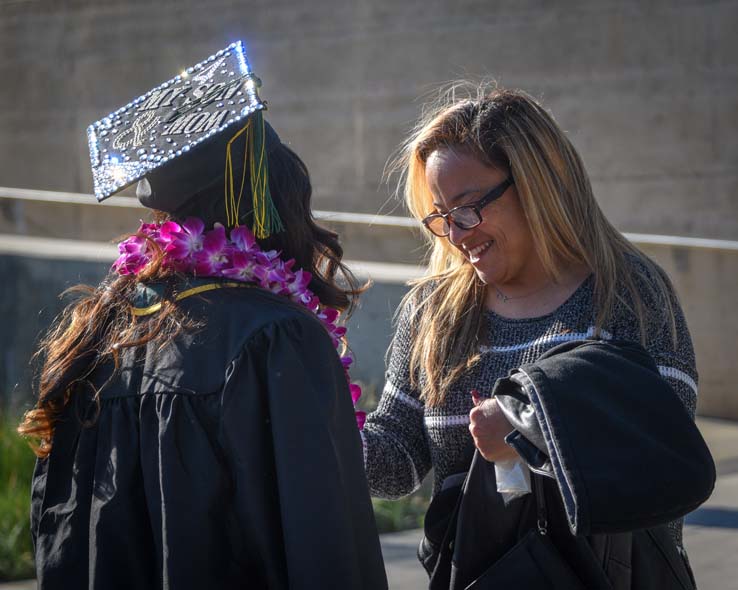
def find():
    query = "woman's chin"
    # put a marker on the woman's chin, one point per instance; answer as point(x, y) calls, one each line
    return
point(486, 268)
point(485, 275)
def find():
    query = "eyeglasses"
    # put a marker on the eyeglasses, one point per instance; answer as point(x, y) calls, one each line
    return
point(464, 216)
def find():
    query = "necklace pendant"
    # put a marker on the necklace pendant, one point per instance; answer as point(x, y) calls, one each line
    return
point(502, 297)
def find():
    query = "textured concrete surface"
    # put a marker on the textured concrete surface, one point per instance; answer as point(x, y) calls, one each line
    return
point(711, 534)
point(706, 281)
point(647, 90)
point(711, 538)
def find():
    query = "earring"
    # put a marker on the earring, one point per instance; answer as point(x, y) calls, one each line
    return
point(143, 189)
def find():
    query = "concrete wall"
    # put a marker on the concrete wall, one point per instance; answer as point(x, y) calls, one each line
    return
point(30, 301)
point(706, 279)
point(647, 90)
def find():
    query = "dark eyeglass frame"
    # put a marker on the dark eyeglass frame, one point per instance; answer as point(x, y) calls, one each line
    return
point(477, 206)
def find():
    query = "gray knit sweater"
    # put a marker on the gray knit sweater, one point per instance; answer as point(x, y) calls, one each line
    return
point(404, 439)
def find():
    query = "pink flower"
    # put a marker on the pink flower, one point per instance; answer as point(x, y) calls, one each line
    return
point(241, 267)
point(313, 304)
point(151, 230)
point(148, 227)
point(279, 275)
point(214, 255)
point(183, 240)
point(274, 277)
point(270, 255)
point(133, 245)
point(297, 288)
point(360, 419)
point(130, 264)
point(242, 238)
point(355, 392)
point(328, 315)
point(169, 230)
point(133, 256)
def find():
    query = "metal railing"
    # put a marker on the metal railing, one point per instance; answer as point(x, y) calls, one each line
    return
point(20, 194)
point(40, 196)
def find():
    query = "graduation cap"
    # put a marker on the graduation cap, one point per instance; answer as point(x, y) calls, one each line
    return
point(203, 126)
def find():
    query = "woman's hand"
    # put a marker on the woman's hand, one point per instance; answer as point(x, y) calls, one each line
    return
point(489, 427)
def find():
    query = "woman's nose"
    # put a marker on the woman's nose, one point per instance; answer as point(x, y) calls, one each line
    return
point(456, 235)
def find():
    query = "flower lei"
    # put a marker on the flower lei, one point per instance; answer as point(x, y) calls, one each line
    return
point(191, 250)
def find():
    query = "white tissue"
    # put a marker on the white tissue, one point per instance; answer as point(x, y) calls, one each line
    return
point(513, 479)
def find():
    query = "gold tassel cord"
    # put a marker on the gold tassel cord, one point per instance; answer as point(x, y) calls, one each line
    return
point(232, 204)
point(266, 216)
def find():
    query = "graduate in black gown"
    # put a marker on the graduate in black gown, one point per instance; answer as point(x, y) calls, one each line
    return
point(195, 426)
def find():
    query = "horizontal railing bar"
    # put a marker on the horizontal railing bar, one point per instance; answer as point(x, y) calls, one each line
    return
point(25, 194)
point(370, 220)
point(683, 241)
point(22, 194)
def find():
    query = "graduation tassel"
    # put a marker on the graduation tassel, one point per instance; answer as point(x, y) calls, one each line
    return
point(266, 216)
point(233, 203)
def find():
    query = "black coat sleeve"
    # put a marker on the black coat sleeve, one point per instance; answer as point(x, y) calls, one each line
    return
point(296, 459)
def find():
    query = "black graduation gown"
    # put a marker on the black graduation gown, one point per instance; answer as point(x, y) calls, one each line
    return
point(229, 459)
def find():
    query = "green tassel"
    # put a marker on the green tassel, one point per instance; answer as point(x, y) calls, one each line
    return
point(266, 216)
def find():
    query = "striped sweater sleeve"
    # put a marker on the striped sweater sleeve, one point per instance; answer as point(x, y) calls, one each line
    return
point(674, 357)
point(396, 452)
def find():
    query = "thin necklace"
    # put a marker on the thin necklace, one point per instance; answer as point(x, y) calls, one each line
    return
point(505, 298)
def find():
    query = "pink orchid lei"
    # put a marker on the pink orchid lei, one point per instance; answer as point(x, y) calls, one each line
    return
point(191, 250)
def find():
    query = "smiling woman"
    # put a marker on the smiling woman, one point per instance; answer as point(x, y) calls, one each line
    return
point(500, 244)
point(522, 259)
point(535, 245)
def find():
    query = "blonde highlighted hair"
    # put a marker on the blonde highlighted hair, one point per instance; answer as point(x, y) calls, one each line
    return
point(511, 131)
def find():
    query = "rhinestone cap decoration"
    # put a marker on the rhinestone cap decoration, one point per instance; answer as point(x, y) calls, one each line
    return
point(172, 119)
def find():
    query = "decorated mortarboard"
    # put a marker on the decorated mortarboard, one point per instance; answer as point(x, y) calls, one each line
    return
point(177, 139)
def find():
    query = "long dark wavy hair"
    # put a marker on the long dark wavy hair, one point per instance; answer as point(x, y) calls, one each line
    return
point(99, 323)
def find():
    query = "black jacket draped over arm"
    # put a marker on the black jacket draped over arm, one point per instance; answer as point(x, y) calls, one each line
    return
point(599, 418)
point(620, 457)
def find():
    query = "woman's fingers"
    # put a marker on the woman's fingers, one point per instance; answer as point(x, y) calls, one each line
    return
point(488, 427)
point(476, 398)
